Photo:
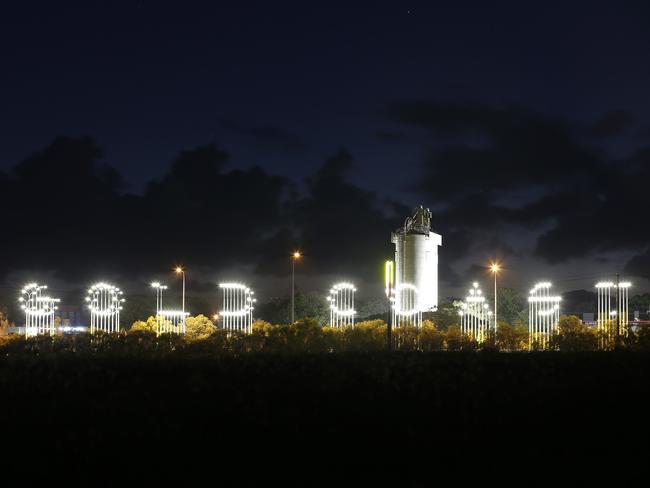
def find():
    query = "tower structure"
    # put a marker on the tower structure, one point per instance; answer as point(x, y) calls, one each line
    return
point(416, 260)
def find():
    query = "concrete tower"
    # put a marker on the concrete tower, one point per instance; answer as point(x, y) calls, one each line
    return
point(416, 258)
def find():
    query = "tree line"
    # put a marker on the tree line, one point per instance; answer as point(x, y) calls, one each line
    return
point(309, 336)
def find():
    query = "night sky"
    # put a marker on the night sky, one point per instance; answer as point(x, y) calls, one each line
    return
point(142, 134)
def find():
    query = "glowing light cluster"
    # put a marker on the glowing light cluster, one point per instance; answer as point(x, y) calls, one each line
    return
point(171, 321)
point(39, 309)
point(341, 300)
point(475, 314)
point(237, 311)
point(612, 310)
point(543, 315)
point(105, 302)
point(167, 321)
point(406, 307)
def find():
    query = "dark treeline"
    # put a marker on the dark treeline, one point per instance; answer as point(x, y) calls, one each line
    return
point(308, 336)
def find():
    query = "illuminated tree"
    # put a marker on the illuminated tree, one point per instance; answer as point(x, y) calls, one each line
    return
point(199, 328)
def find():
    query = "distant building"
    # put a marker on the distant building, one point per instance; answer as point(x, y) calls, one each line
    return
point(70, 316)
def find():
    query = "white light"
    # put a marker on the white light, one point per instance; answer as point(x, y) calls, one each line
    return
point(237, 312)
point(39, 310)
point(104, 306)
point(341, 300)
point(475, 314)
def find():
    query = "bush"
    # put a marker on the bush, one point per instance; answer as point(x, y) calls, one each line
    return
point(511, 338)
point(574, 336)
point(198, 328)
point(430, 338)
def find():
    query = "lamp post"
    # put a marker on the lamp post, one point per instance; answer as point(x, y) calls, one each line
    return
point(179, 270)
point(495, 268)
point(294, 257)
point(159, 295)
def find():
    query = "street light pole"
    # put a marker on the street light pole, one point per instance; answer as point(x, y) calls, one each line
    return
point(295, 257)
point(495, 269)
point(181, 271)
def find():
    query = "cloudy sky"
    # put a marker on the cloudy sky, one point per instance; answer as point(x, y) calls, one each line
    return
point(141, 134)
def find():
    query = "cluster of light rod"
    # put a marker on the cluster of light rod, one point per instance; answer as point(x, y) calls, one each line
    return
point(39, 310)
point(237, 311)
point(609, 319)
point(406, 306)
point(105, 302)
point(543, 315)
point(171, 321)
point(475, 315)
point(341, 300)
point(167, 321)
point(160, 288)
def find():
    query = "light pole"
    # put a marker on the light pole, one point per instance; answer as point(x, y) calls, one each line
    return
point(495, 270)
point(294, 257)
point(181, 271)
point(159, 295)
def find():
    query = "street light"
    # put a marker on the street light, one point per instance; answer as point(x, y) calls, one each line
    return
point(495, 268)
point(159, 295)
point(294, 257)
point(181, 271)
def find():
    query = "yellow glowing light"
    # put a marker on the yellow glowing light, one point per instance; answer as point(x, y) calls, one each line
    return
point(178, 269)
point(495, 268)
point(389, 276)
point(215, 317)
point(297, 255)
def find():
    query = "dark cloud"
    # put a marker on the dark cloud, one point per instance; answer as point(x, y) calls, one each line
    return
point(478, 155)
point(639, 265)
point(76, 220)
point(390, 136)
point(477, 148)
point(341, 226)
point(613, 123)
point(267, 136)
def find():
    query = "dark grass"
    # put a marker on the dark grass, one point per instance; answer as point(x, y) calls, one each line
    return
point(409, 419)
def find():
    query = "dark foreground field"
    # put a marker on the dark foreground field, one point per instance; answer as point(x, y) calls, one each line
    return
point(405, 419)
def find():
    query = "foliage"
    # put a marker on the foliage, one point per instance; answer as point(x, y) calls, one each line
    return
point(431, 339)
point(511, 338)
point(151, 325)
point(574, 336)
point(365, 336)
point(198, 328)
point(446, 315)
point(4, 324)
point(308, 336)
point(512, 306)
point(312, 304)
